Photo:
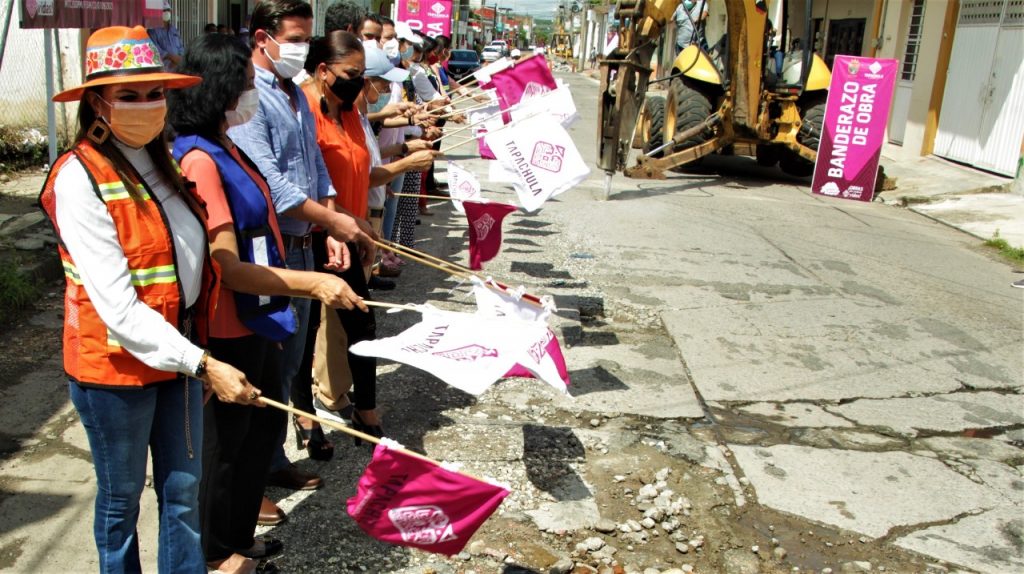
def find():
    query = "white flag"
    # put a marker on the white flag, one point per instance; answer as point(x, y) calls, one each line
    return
point(498, 173)
point(462, 185)
point(468, 351)
point(543, 359)
point(558, 103)
point(483, 75)
point(543, 156)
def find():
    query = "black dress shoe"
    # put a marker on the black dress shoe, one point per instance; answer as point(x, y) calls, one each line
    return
point(294, 479)
point(380, 284)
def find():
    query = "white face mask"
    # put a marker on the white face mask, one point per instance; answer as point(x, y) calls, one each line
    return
point(391, 48)
point(166, 16)
point(246, 108)
point(293, 57)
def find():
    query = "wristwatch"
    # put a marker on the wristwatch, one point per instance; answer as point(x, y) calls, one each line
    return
point(201, 367)
point(405, 148)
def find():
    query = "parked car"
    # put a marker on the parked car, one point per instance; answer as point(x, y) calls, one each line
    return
point(492, 53)
point(463, 63)
point(502, 44)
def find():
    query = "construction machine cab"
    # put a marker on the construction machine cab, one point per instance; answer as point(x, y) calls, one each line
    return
point(737, 96)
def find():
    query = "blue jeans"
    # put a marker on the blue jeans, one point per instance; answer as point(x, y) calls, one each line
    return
point(391, 207)
point(121, 425)
point(291, 358)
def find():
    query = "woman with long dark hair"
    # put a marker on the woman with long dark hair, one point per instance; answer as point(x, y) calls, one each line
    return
point(255, 312)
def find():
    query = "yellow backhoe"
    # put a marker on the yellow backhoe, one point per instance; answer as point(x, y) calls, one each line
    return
point(730, 98)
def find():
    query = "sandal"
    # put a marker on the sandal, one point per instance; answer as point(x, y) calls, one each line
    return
point(313, 440)
point(250, 566)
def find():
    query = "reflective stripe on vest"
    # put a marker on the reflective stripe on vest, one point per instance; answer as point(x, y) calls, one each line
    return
point(92, 354)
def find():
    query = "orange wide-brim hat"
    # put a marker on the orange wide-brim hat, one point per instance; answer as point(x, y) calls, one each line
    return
point(123, 55)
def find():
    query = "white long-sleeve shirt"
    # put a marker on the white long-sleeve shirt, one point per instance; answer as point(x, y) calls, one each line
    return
point(89, 234)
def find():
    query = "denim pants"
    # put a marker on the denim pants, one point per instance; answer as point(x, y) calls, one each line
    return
point(121, 425)
point(294, 347)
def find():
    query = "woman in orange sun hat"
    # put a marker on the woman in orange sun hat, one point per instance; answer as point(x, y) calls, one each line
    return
point(139, 293)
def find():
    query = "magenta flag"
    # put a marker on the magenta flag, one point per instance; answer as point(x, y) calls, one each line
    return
point(526, 79)
point(431, 17)
point(485, 230)
point(408, 501)
point(544, 356)
point(856, 115)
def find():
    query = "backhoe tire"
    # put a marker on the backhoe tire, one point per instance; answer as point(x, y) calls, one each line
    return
point(692, 108)
point(812, 119)
point(653, 126)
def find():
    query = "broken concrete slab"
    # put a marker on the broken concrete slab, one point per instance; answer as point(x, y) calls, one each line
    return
point(865, 344)
point(990, 542)
point(793, 414)
point(565, 516)
point(866, 492)
point(943, 413)
point(966, 447)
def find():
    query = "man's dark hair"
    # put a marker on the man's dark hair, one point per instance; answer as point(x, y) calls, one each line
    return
point(344, 15)
point(221, 61)
point(443, 42)
point(210, 28)
point(385, 21)
point(427, 46)
point(268, 14)
point(375, 18)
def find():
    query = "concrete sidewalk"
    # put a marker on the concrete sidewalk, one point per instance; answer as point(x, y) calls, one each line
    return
point(973, 201)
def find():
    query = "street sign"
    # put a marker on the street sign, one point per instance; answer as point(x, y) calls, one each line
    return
point(59, 14)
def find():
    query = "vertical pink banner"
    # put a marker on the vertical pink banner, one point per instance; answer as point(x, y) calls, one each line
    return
point(855, 119)
point(430, 17)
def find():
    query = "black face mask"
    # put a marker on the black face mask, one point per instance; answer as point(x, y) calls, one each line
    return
point(347, 90)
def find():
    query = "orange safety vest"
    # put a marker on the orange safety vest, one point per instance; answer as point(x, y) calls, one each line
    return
point(92, 355)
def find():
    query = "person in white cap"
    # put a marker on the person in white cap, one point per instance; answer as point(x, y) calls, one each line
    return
point(167, 40)
point(516, 54)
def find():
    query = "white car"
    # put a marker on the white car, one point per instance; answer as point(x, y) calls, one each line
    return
point(491, 53)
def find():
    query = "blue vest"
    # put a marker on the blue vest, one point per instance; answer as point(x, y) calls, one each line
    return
point(270, 316)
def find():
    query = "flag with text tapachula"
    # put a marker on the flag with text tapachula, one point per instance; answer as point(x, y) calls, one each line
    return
point(485, 219)
point(558, 103)
point(543, 156)
point(467, 351)
point(527, 78)
point(546, 359)
point(462, 185)
point(408, 501)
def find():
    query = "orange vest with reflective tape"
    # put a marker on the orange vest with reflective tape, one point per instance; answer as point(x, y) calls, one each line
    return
point(92, 355)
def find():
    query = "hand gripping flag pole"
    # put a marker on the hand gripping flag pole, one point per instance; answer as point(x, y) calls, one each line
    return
point(408, 499)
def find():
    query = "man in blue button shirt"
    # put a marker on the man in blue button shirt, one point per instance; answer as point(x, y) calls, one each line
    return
point(281, 140)
point(168, 41)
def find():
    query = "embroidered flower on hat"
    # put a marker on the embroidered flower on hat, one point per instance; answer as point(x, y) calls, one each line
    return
point(125, 55)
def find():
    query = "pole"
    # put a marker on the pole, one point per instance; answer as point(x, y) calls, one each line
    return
point(7, 27)
point(51, 108)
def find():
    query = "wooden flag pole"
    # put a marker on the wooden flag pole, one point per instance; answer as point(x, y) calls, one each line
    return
point(451, 268)
point(447, 149)
point(442, 197)
point(390, 305)
point(353, 432)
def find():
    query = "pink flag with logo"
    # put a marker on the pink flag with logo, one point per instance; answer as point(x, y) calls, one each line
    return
point(525, 79)
point(408, 501)
point(431, 17)
point(856, 115)
point(485, 230)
